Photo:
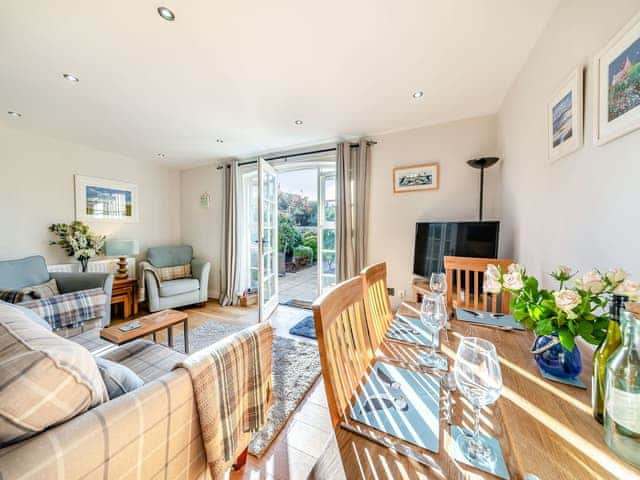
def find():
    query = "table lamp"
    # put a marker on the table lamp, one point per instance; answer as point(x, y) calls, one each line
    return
point(121, 249)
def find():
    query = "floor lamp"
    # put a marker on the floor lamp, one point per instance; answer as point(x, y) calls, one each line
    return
point(482, 163)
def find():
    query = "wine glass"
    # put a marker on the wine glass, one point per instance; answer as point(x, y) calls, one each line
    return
point(433, 316)
point(438, 283)
point(479, 379)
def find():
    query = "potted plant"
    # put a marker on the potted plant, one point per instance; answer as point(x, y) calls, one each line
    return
point(78, 241)
point(559, 316)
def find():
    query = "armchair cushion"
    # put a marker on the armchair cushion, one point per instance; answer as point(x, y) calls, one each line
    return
point(174, 273)
point(176, 287)
point(169, 256)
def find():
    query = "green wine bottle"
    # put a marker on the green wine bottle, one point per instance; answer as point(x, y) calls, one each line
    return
point(609, 345)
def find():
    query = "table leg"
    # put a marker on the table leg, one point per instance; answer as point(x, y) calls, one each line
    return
point(170, 331)
point(154, 337)
point(185, 326)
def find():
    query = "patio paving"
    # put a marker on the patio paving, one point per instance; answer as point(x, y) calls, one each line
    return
point(301, 285)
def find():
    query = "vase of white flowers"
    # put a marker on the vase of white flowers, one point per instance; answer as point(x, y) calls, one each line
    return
point(559, 316)
point(78, 241)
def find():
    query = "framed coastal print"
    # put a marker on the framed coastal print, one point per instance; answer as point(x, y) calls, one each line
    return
point(617, 82)
point(565, 117)
point(415, 178)
point(101, 200)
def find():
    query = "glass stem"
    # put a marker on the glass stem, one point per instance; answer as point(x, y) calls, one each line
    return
point(436, 338)
point(476, 425)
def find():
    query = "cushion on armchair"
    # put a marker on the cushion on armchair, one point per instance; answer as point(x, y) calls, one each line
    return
point(177, 287)
point(175, 272)
point(44, 379)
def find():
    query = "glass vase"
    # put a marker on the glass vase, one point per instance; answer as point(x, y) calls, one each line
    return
point(556, 360)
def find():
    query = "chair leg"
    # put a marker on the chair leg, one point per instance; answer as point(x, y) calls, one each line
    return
point(241, 460)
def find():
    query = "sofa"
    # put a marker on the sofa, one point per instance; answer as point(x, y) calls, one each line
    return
point(29, 271)
point(150, 432)
point(174, 278)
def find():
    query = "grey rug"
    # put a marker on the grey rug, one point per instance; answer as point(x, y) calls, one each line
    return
point(296, 365)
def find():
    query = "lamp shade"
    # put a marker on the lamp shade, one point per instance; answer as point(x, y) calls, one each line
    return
point(121, 248)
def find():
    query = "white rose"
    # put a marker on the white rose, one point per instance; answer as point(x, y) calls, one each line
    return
point(563, 270)
point(592, 282)
point(616, 276)
point(629, 287)
point(516, 268)
point(491, 285)
point(566, 300)
point(513, 281)
point(493, 272)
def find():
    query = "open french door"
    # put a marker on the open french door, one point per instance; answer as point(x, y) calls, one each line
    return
point(268, 239)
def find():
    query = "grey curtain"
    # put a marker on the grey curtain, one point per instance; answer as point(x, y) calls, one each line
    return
point(228, 270)
point(352, 187)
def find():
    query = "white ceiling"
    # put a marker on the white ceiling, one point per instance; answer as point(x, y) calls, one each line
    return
point(245, 70)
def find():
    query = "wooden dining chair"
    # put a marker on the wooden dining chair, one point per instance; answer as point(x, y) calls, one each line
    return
point(343, 341)
point(377, 305)
point(464, 284)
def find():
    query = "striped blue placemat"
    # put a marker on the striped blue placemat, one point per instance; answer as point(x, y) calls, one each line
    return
point(411, 330)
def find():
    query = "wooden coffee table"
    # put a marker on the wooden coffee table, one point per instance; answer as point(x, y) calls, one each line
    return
point(150, 324)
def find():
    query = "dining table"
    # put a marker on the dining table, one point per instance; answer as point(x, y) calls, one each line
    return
point(545, 429)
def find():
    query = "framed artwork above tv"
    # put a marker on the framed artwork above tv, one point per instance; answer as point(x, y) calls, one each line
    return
point(101, 200)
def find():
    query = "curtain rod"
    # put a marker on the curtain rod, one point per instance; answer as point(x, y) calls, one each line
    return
point(301, 154)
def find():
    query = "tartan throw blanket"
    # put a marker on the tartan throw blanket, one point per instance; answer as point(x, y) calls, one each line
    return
point(69, 310)
point(232, 385)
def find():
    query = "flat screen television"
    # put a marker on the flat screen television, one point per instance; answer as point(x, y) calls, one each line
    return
point(434, 241)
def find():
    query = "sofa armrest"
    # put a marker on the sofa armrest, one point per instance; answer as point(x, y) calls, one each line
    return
point(200, 269)
point(73, 282)
point(152, 430)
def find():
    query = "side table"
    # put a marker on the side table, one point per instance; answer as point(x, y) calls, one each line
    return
point(126, 292)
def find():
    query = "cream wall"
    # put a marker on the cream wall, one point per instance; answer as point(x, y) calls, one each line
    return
point(581, 210)
point(393, 216)
point(203, 227)
point(37, 189)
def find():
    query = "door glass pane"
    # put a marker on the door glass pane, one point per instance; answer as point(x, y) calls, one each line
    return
point(330, 199)
point(329, 239)
point(329, 263)
point(328, 281)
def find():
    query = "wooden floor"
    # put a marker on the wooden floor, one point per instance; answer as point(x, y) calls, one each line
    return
point(304, 438)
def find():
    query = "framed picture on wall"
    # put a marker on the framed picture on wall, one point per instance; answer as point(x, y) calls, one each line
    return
point(101, 200)
point(565, 117)
point(617, 85)
point(416, 177)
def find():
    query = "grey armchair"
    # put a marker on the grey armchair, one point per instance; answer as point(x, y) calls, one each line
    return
point(25, 272)
point(174, 293)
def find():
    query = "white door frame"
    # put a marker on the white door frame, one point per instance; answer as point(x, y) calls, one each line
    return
point(267, 245)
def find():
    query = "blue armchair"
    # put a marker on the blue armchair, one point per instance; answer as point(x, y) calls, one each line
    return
point(25, 272)
point(162, 294)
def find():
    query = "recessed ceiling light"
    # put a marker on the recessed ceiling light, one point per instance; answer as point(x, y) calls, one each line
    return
point(167, 14)
point(70, 77)
point(160, 155)
point(14, 114)
point(219, 140)
point(299, 122)
point(418, 94)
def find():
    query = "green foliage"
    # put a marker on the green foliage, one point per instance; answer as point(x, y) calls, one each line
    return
point(288, 235)
point(302, 211)
point(303, 253)
point(571, 312)
point(310, 240)
point(77, 240)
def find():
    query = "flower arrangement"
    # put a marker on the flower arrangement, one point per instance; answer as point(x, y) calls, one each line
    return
point(579, 310)
point(78, 241)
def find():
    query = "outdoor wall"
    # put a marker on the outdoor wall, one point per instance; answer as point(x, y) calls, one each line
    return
point(203, 227)
point(393, 216)
point(37, 189)
point(581, 210)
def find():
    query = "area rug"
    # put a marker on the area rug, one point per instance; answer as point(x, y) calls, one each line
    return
point(296, 365)
point(304, 328)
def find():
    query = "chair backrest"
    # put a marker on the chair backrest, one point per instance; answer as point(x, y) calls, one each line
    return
point(376, 302)
point(345, 349)
point(464, 284)
point(25, 272)
point(161, 257)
